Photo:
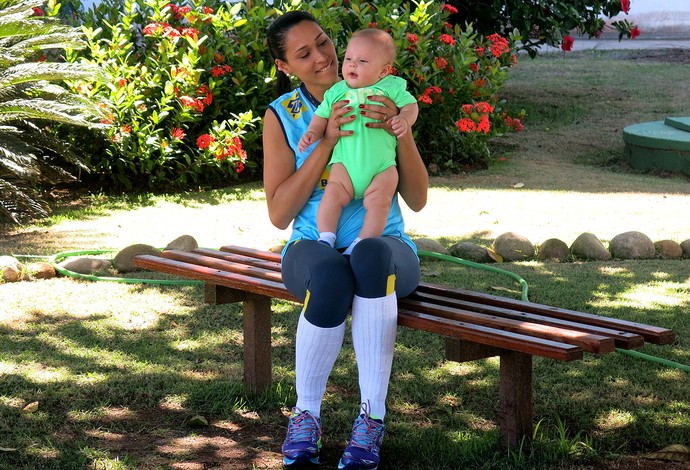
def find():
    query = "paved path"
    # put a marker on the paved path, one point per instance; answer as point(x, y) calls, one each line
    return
point(582, 44)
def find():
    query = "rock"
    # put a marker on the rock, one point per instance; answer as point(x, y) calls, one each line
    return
point(685, 246)
point(85, 265)
point(124, 260)
point(183, 243)
point(41, 270)
point(429, 244)
point(554, 249)
point(10, 269)
point(471, 252)
point(588, 246)
point(513, 247)
point(668, 249)
point(632, 245)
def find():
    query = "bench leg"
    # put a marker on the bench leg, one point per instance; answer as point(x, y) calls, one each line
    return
point(257, 343)
point(515, 390)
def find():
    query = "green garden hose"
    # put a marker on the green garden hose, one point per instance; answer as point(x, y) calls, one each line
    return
point(55, 259)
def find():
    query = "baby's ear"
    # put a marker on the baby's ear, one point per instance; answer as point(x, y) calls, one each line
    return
point(386, 70)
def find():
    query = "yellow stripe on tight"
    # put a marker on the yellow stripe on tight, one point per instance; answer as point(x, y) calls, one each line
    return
point(390, 285)
point(306, 301)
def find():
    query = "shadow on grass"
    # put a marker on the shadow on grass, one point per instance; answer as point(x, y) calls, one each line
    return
point(110, 392)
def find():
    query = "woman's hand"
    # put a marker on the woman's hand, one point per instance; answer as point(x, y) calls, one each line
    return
point(380, 112)
point(339, 116)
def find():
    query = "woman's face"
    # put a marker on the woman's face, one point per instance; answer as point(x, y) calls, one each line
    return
point(310, 55)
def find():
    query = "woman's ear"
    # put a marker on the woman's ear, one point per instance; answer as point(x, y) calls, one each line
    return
point(282, 66)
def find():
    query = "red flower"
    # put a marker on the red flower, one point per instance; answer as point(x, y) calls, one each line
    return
point(634, 32)
point(480, 51)
point(448, 25)
point(204, 140)
point(177, 133)
point(432, 89)
point(440, 62)
point(567, 44)
point(484, 125)
point(121, 82)
point(219, 70)
point(126, 129)
point(218, 57)
point(450, 8)
point(373, 24)
point(474, 67)
point(625, 6)
point(190, 102)
point(425, 99)
point(239, 167)
point(208, 10)
point(447, 39)
point(205, 92)
point(190, 33)
point(412, 38)
point(38, 11)
point(466, 125)
point(483, 107)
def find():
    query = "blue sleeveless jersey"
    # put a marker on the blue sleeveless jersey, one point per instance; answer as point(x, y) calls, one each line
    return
point(294, 111)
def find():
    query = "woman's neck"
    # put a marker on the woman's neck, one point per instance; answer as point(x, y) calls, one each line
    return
point(318, 90)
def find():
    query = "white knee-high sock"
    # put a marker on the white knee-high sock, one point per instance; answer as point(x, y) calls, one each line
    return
point(374, 325)
point(316, 351)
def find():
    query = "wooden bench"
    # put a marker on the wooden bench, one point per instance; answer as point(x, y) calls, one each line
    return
point(475, 325)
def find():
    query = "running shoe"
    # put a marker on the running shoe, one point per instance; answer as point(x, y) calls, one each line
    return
point(303, 441)
point(362, 453)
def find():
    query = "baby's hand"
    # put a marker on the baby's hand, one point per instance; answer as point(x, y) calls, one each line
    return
point(399, 125)
point(307, 139)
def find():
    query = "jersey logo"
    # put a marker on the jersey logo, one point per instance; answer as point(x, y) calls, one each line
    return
point(323, 181)
point(293, 105)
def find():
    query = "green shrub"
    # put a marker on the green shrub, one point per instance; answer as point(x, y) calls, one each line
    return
point(187, 80)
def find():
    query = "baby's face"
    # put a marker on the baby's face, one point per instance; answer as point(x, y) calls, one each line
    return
point(363, 65)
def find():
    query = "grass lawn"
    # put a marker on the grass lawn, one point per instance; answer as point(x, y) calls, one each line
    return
point(120, 370)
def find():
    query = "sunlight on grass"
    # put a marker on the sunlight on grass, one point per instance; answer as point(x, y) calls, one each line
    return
point(615, 419)
point(651, 296)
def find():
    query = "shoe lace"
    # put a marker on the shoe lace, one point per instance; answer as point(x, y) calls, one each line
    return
point(302, 427)
point(365, 432)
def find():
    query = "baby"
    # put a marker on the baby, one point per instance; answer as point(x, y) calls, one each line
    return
point(362, 165)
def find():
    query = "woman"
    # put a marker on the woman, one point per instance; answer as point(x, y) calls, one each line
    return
point(369, 280)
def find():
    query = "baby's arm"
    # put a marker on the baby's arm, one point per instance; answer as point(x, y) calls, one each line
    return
point(403, 122)
point(314, 132)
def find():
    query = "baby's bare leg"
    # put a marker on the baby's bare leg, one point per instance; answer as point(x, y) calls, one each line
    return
point(338, 194)
point(377, 201)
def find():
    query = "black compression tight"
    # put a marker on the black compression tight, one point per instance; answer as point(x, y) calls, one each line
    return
point(327, 281)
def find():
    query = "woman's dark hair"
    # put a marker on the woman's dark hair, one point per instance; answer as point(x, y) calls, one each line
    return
point(275, 36)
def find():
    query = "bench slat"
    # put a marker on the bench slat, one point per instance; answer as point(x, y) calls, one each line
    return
point(223, 265)
point(214, 276)
point(621, 339)
point(237, 258)
point(489, 336)
point(653, 334)
point(593, 343)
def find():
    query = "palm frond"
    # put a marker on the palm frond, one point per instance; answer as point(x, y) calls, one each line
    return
point(49, 71)
point(19, 203)
point(45, 109)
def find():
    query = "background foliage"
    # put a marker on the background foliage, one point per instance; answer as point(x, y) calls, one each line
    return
point(184, 80)
point(544, 22)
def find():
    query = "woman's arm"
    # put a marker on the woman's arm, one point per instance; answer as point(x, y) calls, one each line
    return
point(288, 189)
point(413, 184)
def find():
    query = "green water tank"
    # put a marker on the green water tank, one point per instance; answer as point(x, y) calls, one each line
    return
point(659, 145)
